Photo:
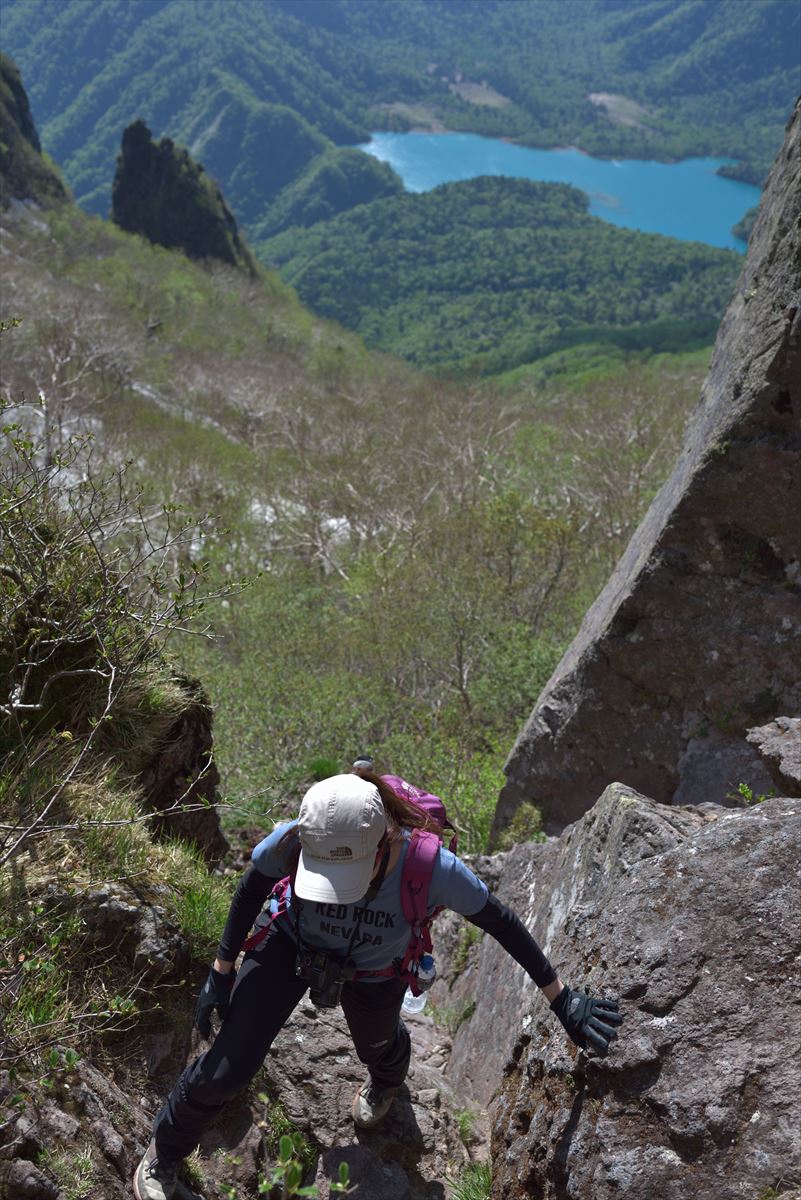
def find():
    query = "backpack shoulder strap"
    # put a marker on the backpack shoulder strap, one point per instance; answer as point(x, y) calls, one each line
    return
point(277, 905)
point(418, 868)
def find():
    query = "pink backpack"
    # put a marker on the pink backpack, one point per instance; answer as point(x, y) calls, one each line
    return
point(418, 868)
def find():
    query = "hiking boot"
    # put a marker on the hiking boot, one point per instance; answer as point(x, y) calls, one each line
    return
point(371, 1104)
point(155, 1178)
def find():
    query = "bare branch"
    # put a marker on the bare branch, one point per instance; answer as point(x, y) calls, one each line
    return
point(18, 706)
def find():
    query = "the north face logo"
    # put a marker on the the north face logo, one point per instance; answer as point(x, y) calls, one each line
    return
point(341, 852)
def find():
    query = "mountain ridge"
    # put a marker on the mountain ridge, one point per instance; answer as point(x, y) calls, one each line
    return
point(340, 65)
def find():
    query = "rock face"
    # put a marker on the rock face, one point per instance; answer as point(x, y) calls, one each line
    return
point(547, 885)
point(180, 782)
point(114, 919)
point(698, 631)
point(24, 173)
point(779, 745)
point(640, 900)
point(80, 1130)
point(68, 1124)
point(162, 194)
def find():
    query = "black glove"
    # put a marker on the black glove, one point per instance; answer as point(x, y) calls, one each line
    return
point(589, 1023)
point(215, 993)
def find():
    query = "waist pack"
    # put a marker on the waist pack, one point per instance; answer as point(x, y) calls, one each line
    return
point(418, 867)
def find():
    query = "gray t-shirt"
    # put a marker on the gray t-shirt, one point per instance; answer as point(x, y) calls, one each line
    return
point(384, 931)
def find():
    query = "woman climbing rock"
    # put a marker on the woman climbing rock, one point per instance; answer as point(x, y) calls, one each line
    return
point(342, 881)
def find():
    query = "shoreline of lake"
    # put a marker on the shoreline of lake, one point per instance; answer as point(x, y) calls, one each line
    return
point(687, 198)
point(670, 160)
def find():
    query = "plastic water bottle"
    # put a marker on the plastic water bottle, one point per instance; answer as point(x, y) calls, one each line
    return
point(426, 974)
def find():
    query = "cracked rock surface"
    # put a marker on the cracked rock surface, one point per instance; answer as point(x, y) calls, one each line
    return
point(690, 917)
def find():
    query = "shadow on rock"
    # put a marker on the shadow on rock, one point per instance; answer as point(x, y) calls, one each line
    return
point(387, 1162)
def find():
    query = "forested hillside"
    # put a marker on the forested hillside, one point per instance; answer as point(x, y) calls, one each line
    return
point(222, 79)
point(270, 95)
point(258, 88)
point(425, 548)
point(491, 273)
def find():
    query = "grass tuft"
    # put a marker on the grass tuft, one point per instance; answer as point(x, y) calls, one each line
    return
point(73, 1170)
point(466, 1120)
point(451, 1016)
point(475, 1183)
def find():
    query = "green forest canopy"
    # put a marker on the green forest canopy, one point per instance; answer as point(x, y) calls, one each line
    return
point(493, 272)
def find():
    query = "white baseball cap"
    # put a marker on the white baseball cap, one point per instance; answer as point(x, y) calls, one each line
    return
point(341, 823)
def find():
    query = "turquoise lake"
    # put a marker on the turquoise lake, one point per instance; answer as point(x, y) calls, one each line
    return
point(684, 200)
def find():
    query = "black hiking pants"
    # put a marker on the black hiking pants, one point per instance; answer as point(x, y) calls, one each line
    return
point(265, 993)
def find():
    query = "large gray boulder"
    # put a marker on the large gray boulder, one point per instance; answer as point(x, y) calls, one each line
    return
point(697, 635)
point(549, 885)
point(690, 917)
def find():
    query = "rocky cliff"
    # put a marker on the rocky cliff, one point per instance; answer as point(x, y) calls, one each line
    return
point(160, 192)
point(701, 1094)
point(24, 173)
point(697, 635)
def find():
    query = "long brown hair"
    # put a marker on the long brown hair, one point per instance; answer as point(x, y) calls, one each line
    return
point(400, 814)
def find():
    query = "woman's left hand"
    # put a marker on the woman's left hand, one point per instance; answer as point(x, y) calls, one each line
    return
point(215, 993)
point(588, 1022)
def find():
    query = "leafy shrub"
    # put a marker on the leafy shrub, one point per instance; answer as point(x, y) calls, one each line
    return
point(91, 584)
point(525, 826)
